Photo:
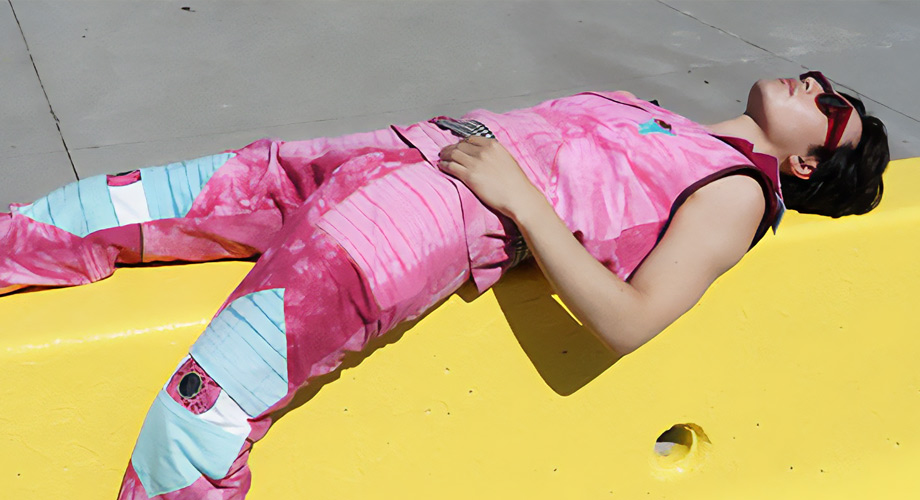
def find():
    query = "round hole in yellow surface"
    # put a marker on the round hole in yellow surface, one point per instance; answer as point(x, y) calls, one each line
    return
point(682, 448)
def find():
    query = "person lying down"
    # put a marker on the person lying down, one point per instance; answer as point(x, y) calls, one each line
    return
point(630, 210)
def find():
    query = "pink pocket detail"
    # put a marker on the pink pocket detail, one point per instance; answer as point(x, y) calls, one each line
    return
point(194, 389)
point(123, 179)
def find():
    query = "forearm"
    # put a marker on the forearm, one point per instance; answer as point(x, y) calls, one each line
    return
point(702, 241)
point(613, 309)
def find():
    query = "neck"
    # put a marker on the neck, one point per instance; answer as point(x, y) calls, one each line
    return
point(746, 128)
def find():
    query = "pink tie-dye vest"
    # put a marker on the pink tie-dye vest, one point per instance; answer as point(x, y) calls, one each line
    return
point(615, 168)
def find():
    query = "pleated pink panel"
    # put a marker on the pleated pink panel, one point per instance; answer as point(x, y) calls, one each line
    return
point(405, 233)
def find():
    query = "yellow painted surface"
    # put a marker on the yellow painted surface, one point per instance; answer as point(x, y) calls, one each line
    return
point(800, 367)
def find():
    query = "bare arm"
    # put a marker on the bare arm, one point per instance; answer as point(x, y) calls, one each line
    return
point(707, 236)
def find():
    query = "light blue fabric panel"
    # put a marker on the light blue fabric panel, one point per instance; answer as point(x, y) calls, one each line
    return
point(98, 209)
point(779, 213)
point(171, 189)
point(261, 312)
point(39, 210)
point(244, 349)
point(79, 207)
point(236, 327)
point(176, 447)
point(159, 197)
point(85, 206)
point(200, 170)
point(177, 177)
point(66, 211)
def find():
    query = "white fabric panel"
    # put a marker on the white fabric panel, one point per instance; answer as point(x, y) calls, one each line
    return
point(130, 203)
point(228, 415)
point(225, 412)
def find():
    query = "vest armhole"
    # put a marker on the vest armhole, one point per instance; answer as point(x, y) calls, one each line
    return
point(748, 170)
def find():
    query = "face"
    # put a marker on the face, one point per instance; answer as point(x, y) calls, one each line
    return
point(787, 112)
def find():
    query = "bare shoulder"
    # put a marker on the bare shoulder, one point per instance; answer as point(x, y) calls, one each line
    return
point(708, 235)
point(732, 197)
point(721, 219)
point(626, 93)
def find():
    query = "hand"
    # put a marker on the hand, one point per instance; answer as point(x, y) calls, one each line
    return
point(492, 174)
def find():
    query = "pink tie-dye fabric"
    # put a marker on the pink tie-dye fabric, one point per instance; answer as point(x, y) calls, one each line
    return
point(361, 232)
point(235, 216)
point(613, 185)
point(335, 258)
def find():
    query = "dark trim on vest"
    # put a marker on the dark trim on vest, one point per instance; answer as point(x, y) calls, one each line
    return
point(407, 142)
point(749, 170)
point(634, 105)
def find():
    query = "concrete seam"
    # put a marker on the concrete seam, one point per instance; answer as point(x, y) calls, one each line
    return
point(57, 123)
point(752, 44)
point(867, 98)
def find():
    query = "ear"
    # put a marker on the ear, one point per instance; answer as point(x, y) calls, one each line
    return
point(800, 166)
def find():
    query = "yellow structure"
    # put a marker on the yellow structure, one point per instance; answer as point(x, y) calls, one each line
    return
point(796, 377)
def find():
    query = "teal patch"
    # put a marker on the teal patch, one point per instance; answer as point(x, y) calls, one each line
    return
point(176, 447)
point(244, 350)
point(172, 188)
point(79, 207)
point(85, 206)
point(655, 126)
point(779, 213)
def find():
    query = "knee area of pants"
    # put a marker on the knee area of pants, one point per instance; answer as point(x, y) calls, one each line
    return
point(193, 429)
point(193, 388)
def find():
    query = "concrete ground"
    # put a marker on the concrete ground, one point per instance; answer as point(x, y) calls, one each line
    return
point(100, 86)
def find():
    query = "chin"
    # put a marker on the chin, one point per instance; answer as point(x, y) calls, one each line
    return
point(756, 99)
point(767, 98)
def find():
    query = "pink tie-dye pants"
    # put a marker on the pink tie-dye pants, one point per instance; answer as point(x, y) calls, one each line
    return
point(354, 235)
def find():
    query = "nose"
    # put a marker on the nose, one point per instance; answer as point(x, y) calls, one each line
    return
point(812, 86)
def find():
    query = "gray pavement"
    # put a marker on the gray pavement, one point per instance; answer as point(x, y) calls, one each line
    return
point(97, 86)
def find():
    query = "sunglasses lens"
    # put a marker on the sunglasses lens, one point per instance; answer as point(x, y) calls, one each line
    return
point(825, 83)
point(820, 78)
point(832, 101)
point(835, 108)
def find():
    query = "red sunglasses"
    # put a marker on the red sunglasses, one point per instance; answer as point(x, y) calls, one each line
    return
point(834, 106)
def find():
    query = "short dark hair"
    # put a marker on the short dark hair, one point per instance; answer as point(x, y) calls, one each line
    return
point(847, 181)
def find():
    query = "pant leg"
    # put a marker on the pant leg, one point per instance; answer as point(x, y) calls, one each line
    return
point(320, 291)
point(216, 207)
point(197, 435)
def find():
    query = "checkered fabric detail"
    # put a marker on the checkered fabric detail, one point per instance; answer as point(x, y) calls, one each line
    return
point(467, 128)
point(521, 251)
point(464, 128)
